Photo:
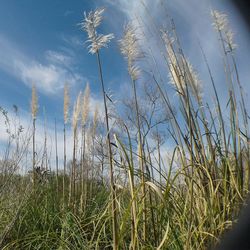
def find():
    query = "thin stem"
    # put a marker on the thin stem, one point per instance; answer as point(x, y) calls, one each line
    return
point(57, 183)
point(141, 161)
point(112, 184)
point(34, 151)
point(64, 161)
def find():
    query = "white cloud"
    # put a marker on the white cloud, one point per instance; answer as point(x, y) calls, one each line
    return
point(49, 77)
point(96, 103)
point(73, 41)
point(58, 58)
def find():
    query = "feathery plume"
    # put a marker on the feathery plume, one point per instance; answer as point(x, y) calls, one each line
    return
point(135, 72)
point(95, 120)
point(129, 44)
point(220, 20)
point(85, 104)
point(221, 25)
point(193, 80)
point(130, 50)
point(229, 40)
point(181, 73)
point(175, 73)
point(76, 111)
point(91, 21)
point(66, 104)
point(34, 103)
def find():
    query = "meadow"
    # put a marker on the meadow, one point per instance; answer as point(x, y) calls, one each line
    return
point(119, 190)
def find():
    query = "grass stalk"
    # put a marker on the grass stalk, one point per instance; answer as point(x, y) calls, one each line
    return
point(111, 170)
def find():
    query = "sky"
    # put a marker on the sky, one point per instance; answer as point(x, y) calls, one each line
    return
point(41, 43)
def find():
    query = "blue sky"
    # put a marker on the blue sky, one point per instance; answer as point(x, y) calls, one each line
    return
point(41, 44)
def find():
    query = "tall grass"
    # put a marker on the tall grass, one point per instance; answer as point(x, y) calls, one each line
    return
point(66, 117)
point(119, 190)
point(34, 109)
point(84, 118)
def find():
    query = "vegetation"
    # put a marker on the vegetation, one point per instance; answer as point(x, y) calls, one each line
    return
point(119, 190)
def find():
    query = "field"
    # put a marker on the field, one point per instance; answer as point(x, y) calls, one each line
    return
point(114, 185)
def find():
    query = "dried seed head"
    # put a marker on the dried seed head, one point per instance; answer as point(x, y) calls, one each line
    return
point(91, 21)
point(220, 20)
point(129, 44)
point(194, 81)
point(85, 105)
point(95, 120)
point(229, 40)
point(66, 104)
point(221, 25)
point(34, 103)
point(89, 139)
point(175, 72)
point(76, 111)
point(181, 72)
point(129, 47)
point(134, 72)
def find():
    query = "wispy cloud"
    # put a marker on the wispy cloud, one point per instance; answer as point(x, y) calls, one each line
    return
point(68, 13)
point(49, 77)
point(192, 27)
point(73, 41)
point(58, 58)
